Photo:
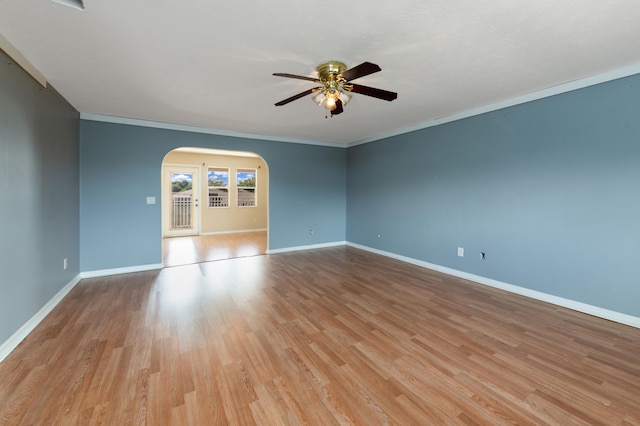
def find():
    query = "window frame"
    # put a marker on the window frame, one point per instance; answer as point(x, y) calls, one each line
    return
point(254, 187)
point(210, 187)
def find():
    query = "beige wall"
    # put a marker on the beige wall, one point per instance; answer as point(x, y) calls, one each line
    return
point(232, 218)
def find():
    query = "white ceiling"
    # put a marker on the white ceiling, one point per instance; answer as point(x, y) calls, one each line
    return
point(209, 63)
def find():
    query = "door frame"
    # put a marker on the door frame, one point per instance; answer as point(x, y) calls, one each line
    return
point(167, 171)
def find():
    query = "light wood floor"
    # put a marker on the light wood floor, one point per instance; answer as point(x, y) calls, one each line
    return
point(205, 248)
point(330, 336)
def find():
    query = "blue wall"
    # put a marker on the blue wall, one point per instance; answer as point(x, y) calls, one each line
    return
point(39, 196)
point(121, 165)
point(549, 190)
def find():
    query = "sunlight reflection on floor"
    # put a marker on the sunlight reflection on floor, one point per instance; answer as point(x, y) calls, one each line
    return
point(182, 252)
point(206, 248)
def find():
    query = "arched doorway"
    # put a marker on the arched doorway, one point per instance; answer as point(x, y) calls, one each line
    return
point(214, 205)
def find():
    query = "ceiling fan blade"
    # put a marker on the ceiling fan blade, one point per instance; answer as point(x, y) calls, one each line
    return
point(338, 109)
point(376, 93)
point(299, 77)
point(361, 70)
point(298, 96)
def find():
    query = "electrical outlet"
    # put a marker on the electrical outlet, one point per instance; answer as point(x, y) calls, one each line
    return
point(310, 231)
point(482, 255)
point(460, 251)
point(379, 236)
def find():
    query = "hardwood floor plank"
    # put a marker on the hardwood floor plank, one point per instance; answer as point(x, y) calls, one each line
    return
point(179, 251)
point(328, 336)
point(507, 409)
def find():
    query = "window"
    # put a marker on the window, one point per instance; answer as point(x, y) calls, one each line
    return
point(181, 207)
point(218, 179)
point(246, 180)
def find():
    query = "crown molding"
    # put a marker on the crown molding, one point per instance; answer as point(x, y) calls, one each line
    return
point(17, 57)
point(529, 97)
point(196, 129)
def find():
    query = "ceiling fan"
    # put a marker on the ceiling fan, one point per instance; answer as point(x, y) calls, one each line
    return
point(335, 85)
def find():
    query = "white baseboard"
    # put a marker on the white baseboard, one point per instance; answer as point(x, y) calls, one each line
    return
point(549, 298)
point(309, 247)
point(240, 231)
point(12, 342)
point(117, 271)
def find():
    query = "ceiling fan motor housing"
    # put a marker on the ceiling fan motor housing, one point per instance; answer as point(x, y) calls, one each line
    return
point(329, 70)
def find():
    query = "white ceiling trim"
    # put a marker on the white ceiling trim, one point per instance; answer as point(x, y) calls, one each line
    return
point(533, 96)
point(15, 55)
point(540, 94)
point(209, 66)
point(195, 129)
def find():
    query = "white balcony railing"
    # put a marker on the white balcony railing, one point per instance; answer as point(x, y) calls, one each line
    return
point(218, 201)
point(181, 212)
point(246, 200)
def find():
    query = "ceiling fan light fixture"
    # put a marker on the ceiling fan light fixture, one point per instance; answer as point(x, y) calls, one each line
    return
point(76, 4)
point(344, 97)
point(331, 100)
point(329, 97)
